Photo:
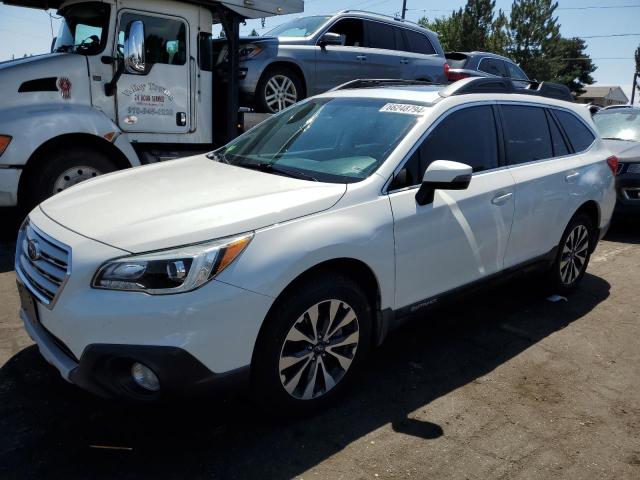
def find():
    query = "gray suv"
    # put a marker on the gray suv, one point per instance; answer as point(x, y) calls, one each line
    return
point(311, 55)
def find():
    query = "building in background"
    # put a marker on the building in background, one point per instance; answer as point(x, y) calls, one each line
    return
point(603, 96)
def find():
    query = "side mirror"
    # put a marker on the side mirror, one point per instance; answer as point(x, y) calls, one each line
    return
point(443, 175)
point(330, 38)
point(134, 61)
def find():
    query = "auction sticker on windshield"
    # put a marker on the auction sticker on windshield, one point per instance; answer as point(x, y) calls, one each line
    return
point(404, 108)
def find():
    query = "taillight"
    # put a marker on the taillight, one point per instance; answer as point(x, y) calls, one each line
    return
point(446, 69)
point(455, 76)
point(612, 161)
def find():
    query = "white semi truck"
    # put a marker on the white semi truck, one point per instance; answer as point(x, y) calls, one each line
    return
point(127, 82)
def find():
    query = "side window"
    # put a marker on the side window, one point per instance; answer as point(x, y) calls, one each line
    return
point(527, 134)
point(400, 43)
point(165, 39)
point(351, 30)
point(493, 66)
point(380, 35)
point(515, 72)
point(205, 51)
point(418, 43)
point(559, 145)
point(579, 135)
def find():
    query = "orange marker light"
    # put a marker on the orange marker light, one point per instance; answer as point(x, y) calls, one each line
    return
point(5, 140)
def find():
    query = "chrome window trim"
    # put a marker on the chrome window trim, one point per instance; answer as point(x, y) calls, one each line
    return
point(49, 304)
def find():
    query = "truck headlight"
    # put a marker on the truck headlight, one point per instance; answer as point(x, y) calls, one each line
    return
point(171, 271)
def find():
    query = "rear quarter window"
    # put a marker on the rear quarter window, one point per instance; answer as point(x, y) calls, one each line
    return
point(419, 43)
point(579, 135)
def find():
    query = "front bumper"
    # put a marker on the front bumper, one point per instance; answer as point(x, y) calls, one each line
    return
point(193, 340)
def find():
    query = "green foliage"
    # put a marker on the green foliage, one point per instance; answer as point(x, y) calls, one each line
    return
point(637, 55)
point(530, 36)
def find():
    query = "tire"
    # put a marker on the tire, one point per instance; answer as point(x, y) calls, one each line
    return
point(62, 169)
point(287, 353)
point(574, 252)
point(282, 82)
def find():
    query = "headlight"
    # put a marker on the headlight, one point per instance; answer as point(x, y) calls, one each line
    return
point(171, 271)
point(249, 50)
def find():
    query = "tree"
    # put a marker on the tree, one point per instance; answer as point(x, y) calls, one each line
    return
point(637, 55)
point(571, 65)
point(449, 30)
point(533, 32)
point(477, 24)
point(254, 33)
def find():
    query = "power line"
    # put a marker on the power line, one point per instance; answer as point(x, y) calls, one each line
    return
point(593, 7)
point(612, 35)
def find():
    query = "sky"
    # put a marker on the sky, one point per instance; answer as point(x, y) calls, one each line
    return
point(30, 31)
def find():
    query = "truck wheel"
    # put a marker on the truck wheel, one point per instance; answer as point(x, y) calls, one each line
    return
point(574, 252)
point(278, 89)
point(315, 341)
point(63, 169)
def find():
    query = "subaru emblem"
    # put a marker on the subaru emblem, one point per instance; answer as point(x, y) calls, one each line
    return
point(33, 250)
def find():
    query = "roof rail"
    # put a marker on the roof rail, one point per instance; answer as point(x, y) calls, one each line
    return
point(396, 18)
point(380, 82)
point(505, 85)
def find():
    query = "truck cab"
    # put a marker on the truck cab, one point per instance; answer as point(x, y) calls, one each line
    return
point(127, 82)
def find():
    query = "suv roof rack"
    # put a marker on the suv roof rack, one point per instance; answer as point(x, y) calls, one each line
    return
point(505, 85)
point(381, 82)
point(396, 18)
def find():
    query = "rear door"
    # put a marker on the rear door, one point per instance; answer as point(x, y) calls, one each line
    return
point(421, 58)
point(462, 236)
point(160, 100)
point(543, 168)
point(383, 59)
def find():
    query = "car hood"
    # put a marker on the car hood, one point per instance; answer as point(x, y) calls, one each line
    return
point(184, 201)
point(625, 150)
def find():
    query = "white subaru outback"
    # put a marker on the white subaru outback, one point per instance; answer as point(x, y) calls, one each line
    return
point(282, 258)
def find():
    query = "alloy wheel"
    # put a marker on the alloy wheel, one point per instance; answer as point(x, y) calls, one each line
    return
point(74, 175)
point(280, 92)
point(319, 349)
point(574, 254)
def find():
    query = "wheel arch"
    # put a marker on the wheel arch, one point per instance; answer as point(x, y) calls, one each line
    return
point(287, 64)
point(85, 140)
point(592, 210)
point(354, 269)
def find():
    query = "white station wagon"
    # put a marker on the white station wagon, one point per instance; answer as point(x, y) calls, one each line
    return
point(284, 257)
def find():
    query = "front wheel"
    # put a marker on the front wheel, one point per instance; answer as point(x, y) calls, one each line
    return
point(573, 255)
point(63, 169)
point(278, 89)
point(314, 342)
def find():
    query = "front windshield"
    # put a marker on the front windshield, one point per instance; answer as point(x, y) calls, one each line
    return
point(300, 27)
point(337, 140)
point(623, 124)
point(83, 28)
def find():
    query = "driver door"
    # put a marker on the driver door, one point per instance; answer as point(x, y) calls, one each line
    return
point(157, 101)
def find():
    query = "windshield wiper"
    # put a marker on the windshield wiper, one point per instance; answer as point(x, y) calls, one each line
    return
point(218, 157)
point(272, 168)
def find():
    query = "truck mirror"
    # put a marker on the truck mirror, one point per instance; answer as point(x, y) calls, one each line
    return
point(134, 52)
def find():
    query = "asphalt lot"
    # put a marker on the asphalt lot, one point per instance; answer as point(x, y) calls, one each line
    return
point(504, 384)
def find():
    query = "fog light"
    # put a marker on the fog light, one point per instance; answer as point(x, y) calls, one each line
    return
point(145, 377)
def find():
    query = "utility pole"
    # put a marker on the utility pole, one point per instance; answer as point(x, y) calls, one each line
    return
point(404, 8)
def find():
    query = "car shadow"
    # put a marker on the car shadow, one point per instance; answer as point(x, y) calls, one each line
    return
point(51, 428)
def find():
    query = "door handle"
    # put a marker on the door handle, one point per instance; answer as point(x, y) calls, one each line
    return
point(501, 198)
point(404, 61)
point(572, 177)
point(362, 58)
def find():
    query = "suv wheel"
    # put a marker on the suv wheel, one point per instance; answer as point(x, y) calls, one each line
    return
point(314, 342)
point(278, 89)
point(573, 255)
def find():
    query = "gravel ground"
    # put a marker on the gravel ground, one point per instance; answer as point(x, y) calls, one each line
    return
point(504, 384)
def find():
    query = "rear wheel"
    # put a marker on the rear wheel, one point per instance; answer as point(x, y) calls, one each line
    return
point(573, 255)
point(61, 170)
point(314, 342)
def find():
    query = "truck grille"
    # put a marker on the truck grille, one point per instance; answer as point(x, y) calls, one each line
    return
point(42, 263)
